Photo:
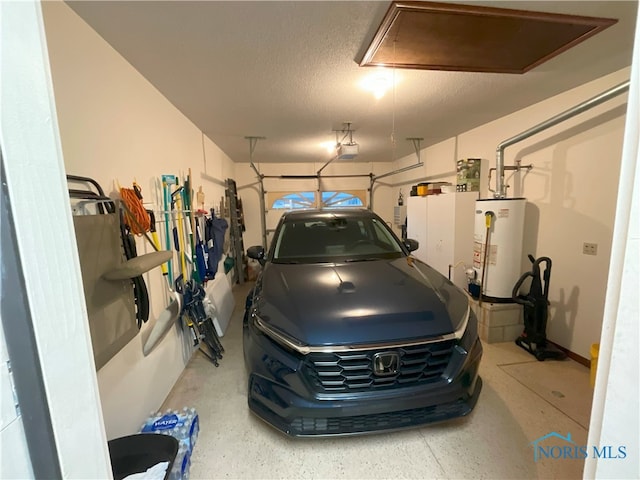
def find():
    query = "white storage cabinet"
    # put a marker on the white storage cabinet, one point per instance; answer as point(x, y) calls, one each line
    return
point(443, 225)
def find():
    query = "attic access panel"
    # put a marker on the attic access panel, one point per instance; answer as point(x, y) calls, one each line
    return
point(454, 37)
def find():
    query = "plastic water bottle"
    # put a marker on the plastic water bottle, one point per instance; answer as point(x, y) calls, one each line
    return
point(183, 425)
point(192, 425)
point(181, 464)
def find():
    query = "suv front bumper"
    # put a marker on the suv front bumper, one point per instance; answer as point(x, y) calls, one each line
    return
point(278, 396)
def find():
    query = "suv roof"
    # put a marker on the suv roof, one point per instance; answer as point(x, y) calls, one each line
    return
point(326, 212)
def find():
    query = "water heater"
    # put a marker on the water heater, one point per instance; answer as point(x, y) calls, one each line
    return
point(504, 240)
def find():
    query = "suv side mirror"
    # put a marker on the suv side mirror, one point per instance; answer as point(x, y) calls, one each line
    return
point(411, 244)
point(257, 253)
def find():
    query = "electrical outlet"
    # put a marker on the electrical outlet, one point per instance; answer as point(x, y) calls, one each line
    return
point(590, 248)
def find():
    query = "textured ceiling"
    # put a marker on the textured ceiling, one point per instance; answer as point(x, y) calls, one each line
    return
point(287, 71)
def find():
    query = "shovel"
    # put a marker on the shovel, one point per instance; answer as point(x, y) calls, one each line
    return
point(170, 314)
point(163, 323)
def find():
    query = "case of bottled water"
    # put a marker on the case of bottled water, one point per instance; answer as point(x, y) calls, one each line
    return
point(184, 426)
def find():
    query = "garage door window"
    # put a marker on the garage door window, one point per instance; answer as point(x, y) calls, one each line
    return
point(341, 199)
point(296, 200)
point(300, 200)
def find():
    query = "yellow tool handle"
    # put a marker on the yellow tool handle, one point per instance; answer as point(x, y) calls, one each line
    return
point(488, 218)
point(183, 244)
point(156, 241)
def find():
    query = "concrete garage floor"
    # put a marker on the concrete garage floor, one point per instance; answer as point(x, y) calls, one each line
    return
point(522, 400)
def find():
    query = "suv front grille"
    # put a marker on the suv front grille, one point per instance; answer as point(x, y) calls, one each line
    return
point(353, 371)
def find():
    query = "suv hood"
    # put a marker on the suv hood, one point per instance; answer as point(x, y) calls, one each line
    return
point(366, 302)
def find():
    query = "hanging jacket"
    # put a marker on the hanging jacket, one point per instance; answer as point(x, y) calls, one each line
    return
point(215, 229)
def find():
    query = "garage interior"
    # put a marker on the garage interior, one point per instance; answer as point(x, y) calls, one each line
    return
point(255, 97)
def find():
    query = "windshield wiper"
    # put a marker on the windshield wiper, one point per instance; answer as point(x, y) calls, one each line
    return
point(367, 259)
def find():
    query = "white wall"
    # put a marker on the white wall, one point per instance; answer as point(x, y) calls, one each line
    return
point(571, 193)
point(115, 125)
point(615, 419)
point(36, 188)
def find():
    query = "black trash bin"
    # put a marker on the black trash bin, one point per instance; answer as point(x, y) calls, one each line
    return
point(137, 453)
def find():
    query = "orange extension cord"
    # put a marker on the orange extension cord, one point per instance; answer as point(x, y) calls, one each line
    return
point(132, 197)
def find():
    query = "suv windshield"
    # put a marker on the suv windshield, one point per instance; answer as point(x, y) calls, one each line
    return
point(330, 238)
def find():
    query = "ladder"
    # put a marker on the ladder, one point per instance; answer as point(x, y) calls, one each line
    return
point(236, 228)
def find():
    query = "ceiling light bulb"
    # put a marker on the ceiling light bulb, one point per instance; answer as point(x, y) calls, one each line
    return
point(330, 147)
point(378, 82)
point(380, 91)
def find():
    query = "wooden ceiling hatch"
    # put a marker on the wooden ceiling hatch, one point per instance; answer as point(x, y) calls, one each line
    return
point(469, 38)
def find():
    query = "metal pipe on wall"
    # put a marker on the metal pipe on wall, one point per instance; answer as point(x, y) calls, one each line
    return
point(248, 185)
point(416, 145)
point(374, 178)
point(263, 209)
point(372, 186)
point(263, 215)
point(423, 179)
point(561, 117)
point(399, 170)
point(211, 179)
point(313, 177)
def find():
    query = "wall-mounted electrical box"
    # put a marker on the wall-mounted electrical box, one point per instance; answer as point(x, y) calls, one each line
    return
point(399, 215)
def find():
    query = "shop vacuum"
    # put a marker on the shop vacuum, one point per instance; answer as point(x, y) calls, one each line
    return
point(536, 310)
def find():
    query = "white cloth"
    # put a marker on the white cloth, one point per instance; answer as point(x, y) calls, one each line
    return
point(157, 472)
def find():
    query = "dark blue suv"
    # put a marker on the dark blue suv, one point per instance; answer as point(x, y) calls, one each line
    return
point(346, 333)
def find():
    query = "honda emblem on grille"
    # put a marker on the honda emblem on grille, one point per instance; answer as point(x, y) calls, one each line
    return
point(386, 364)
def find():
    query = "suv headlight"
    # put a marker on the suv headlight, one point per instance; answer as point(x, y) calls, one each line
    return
point(462, 326)
point(470, 333)
point(279, 337)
